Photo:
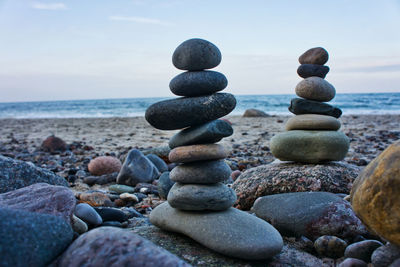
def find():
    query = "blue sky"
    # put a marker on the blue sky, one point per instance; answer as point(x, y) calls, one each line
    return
point(52, 50)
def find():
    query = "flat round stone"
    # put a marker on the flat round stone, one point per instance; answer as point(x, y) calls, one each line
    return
point(308, 70)
point(303, 106)
point(312, 122)
point(207, 133)
point(196, 83)
point(315, 88)
point(182, 112)
point(196, 54)
point(184, 154)
point(203, 172)
point(316, 55)
point(310, 146)
point(201, 196)
point(231, 232)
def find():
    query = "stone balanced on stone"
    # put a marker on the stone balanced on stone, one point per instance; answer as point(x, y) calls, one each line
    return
point(312, 135)
point(199, 203)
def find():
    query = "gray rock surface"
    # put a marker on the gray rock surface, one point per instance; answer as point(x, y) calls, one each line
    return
point(164, 184)
point(201, 196)
point(311, 214)
point(196, 54)
point(252, 112)
point(111, 214)
point(207, 133)
point(196, 83)
point(88, 214)
point(42, 198)
point(313, 122)
point(137, 168)
point(158, 162)
point(231, 232)
point(308, 70)
point(303, 106)
point(202, 172)
point(362, 250)
point(351, 262)
point(111, 246)
point(182, 112)
point(385, 255)
point(316, 55)
point(30, 238)
point(16, 174)
point(194, 153)
point(310, 146)
point(276, 178)
point(315, 88)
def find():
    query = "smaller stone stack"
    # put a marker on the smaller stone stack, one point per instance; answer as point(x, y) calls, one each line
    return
point(312, 135)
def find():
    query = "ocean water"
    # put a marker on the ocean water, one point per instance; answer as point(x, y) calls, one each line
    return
point(374, 103)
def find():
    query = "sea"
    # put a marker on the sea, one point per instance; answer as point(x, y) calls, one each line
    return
point(371, 103)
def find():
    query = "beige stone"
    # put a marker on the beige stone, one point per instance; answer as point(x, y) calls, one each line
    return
point(193, 153)
point(315, 88)
point(312, 122)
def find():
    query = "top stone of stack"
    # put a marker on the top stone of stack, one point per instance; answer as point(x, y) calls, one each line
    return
point(316, 55)
point(196, 54)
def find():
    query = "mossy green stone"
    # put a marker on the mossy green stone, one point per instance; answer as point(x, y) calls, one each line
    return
point(310, 146)
point(120, 188)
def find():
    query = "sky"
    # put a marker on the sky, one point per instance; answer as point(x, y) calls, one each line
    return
point(95, 49)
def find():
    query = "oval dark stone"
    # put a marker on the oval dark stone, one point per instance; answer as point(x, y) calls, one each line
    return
point(304, 106)
point(196, 83)
point(182, 112)
point(201, 172)
point(196, 54)
point(316, 55)
point(308, 70)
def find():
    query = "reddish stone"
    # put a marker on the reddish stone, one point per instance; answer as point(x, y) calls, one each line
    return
point(104, 165)
point(53, 144)
point(95, 199)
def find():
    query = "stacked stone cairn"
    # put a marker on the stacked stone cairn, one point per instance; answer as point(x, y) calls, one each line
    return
point(199, 203)
point(312, 135)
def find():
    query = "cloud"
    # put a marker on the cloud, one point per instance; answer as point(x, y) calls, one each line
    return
point(49, 6)
point(380, 68)
point(141, 20)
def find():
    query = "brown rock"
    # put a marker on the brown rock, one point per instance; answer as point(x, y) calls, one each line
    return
point(312, 122)
point(276, 178)
point(184, 154)
point(254, 113)
point(42, 198)
point(375, 195)
point(316, 55)
point(104, 165)
point(95, 199)
point(111, 246)
point(53, 144)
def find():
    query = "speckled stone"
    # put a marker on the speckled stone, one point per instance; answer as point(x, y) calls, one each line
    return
point(330, 246)
point(201, 196)
point(362, 250)
point(385, 255)
point(192, 153)
point(231, 232)
point(196, 54)
point(174, 114)
point(303, 106)
point(316, 55)
point(203, 172)
point(315, 88)
point(197, 83)
point(312, 122)
point(351, 262)
point(207, 133)
point(308, 70)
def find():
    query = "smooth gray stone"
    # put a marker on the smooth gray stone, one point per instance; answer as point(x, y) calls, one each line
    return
point(88, 214)
point(315, 88)
point(15, 174)
point(309, 214)
point(362, 250)
point(207, 133)
point(310, 146)
point(351, 262)
point(111, 214)
point(201, 197)
point(164, 185)
point(182, 112)
point(30, 238)
point(203, 172)
point(316, 55)
point(231, 232)
point(308, 70)
point(385, 255)
point(303, 106)
point(158, 162)
point(196, 54)
point(196, 83)
point(137, 168)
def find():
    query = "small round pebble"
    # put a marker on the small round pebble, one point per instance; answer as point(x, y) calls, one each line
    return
point(351, 262)
point(120, 188)
point(330, 246)
point(78, 225)
point(316, 55)
point(362, 250)
point(104, 165)
point(111, 214)
point(129, 197)
point(88, 214)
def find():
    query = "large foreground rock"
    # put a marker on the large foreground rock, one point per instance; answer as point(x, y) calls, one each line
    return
point(42, 198)
point(276, 178)
point(375, 195)
point(111, 246)
point(182, 112)
point(231, 232)
point(16, 174)
point(31, 239)
point(310, 214)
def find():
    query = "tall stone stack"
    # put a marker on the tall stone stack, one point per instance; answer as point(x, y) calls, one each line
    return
point(312, 135)
point(199, 204)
